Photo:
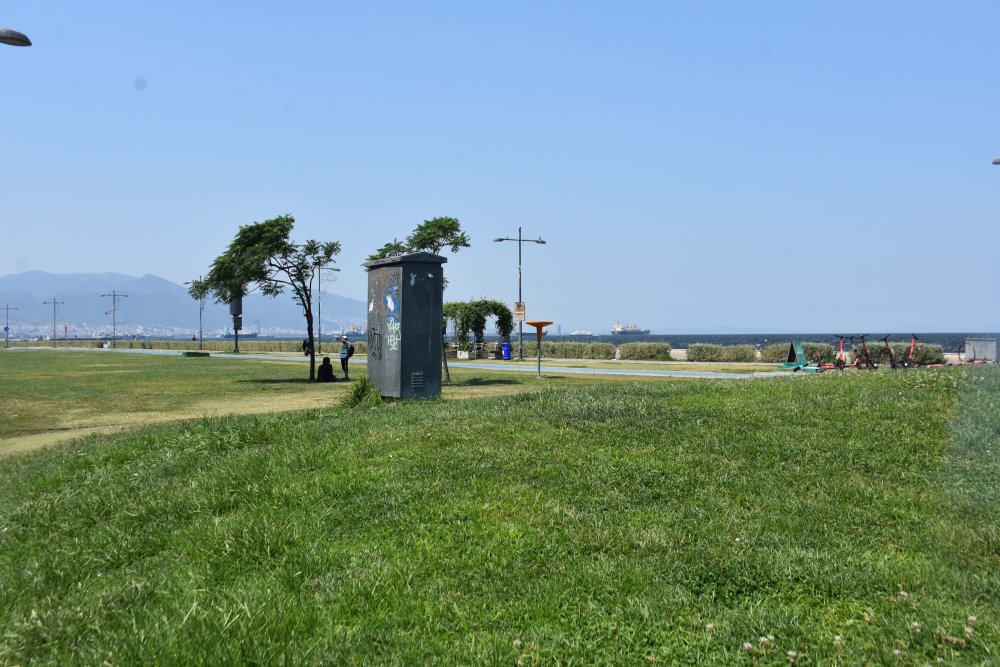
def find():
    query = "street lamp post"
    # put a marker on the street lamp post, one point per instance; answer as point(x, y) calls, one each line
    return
point(319, 304)
point(13, 37)
point(201, 312)
point(520, 324)
point(319, 309)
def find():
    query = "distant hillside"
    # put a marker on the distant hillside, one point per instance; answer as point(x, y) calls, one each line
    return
point(152, 303)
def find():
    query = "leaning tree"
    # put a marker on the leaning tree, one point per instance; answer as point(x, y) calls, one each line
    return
point(262, 258)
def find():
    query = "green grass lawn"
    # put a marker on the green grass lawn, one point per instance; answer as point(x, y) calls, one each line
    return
point(844, 517)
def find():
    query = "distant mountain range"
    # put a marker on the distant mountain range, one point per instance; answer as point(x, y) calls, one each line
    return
point(153, 306)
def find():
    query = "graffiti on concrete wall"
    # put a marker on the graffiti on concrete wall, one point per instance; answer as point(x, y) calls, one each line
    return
point(392, 307)
point(374, 342)
point(384, 312)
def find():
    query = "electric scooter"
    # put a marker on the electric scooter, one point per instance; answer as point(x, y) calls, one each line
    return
point(907, 361)
point(864, 360)
point(892, 355)
point(840, 361)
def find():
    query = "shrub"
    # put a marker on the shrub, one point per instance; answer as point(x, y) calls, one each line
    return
point(363, 394)
point(824, 350)
point(775, 353)
point(922, 355)
point(709, 352)
point(704, 352)
point(655, 351)
point(572, 350)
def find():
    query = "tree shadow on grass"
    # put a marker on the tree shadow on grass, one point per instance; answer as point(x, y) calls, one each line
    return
point(283, 381)
point(481, 382)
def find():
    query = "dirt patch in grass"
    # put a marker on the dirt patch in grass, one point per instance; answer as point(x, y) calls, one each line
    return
point(78, 423)
point(72, 428)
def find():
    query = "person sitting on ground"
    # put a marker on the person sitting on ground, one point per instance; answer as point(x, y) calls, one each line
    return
point(325, 371)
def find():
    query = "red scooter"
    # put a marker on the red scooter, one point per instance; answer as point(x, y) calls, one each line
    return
point(907, 360)
point(893, 363)
point(864, 360)
point(839, 360)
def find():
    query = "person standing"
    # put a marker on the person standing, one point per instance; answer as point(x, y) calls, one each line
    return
point(346, 352)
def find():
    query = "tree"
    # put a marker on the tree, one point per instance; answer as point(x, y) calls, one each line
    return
point(262, 258)
point(435, 234)
point(472, 316)
point(392, 249)
point(429, 236)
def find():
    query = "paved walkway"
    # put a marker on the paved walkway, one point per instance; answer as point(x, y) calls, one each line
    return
point(526, 367)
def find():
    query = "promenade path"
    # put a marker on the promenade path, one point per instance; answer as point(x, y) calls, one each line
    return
point(518, 367)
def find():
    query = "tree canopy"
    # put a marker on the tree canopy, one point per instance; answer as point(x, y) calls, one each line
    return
point(471, 316)
point(262, 257)
point(430, 236)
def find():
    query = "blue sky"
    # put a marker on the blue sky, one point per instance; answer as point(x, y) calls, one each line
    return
point(737, 166)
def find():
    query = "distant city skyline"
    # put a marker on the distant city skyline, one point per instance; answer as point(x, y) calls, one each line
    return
point(708, 167)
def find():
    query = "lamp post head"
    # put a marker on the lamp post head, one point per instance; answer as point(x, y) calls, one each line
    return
point(498, 239)
point(540, 241)
point(997, 161)
point(13, 37)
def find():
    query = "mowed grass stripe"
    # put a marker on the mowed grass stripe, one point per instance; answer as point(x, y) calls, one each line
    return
point(598, 524)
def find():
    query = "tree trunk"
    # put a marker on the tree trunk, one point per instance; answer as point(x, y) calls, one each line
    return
point(312, 345)
point(444, 358)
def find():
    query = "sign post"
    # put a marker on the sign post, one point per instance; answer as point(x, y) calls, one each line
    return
point(6, 326)
point(538, 334)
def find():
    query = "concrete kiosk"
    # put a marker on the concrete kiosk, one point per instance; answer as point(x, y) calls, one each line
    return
point(405, 336)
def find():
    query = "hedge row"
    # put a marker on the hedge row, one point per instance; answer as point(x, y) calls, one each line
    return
point(707, 352)
point(645, 351)
point(775, 353)
point(572, 350)
point(923, 354)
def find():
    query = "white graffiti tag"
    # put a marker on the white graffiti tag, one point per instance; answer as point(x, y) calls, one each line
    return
point(392, 333)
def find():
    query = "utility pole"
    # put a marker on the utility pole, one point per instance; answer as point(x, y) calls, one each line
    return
point(114, 311)
point(55, 305)
point(6, 325)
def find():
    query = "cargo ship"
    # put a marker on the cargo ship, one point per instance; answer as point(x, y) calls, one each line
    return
point(628, 330)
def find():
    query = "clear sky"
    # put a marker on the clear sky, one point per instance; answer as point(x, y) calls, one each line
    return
point(730, 165)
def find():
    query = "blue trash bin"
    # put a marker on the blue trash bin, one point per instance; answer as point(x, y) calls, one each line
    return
point(505, 349)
